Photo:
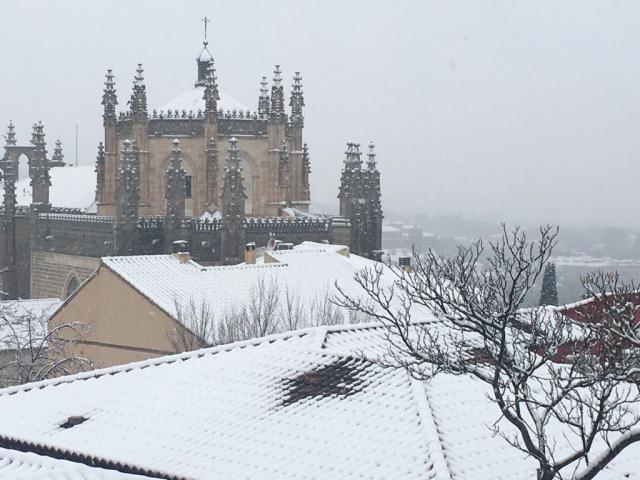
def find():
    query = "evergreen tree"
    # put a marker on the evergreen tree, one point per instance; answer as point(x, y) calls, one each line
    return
point(549, 291)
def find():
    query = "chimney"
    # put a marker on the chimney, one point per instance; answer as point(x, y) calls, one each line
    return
point(250, 253)
point(184, 257)
point(180, 250)
point(273, 244)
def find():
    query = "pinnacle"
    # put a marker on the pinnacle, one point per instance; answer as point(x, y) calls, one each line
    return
point(277, 77)
point(139, 77)
point(264, 92)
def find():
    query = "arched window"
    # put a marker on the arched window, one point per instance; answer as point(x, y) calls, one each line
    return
point(72, 286)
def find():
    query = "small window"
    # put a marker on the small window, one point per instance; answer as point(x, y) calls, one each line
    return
point(187, 186)
point(72, 286)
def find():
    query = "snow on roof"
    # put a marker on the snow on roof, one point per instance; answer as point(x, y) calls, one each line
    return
point(208, 216)
point(14, 328)
point(193, 100)
point(29, 466)
point(294, 212)
point(71, 187)
point(298, 405)
point(170, 284)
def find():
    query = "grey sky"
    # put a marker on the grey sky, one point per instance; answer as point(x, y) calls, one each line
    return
point(516, 111)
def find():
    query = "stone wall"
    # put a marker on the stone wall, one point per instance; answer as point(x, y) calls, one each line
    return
point(84, 235)
point(52, 273)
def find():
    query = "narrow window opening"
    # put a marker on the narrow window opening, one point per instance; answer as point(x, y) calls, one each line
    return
point(187, 186)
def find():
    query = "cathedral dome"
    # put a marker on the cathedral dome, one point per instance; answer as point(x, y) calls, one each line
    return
point(193, 100)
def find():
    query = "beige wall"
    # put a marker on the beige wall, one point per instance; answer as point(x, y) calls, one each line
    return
point(123, 325)
point(51, 272)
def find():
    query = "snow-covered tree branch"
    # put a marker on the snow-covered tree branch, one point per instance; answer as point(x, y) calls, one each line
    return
point(565, 388)
point(30, 351)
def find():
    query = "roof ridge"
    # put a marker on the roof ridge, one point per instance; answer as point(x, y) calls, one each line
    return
point(430, 429)
point(322, 332)
point(154, 362)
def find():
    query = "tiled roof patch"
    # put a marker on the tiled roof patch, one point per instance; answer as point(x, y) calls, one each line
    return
point(341, 379)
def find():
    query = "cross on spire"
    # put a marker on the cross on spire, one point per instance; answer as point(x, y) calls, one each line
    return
point(205, 20)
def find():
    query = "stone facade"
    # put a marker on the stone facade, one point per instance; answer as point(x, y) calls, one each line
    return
point(204, 124)
point(164, 177)
point(58, 274)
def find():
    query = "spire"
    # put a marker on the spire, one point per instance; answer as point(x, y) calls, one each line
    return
point(284, 165)
point(371, 157)
point(100, 164)
point(306, 169)
point(352, 160)
point(284, 173)
point(128, 200)
point(204, 59)
point(58, 156)
point(233, 196)
point(211, 95)
point(306, 161)
point(174, 191)
point(263, 100)
point(233, 162)
point(109, 99)
point(37, 136)
point(176, 156)
point(128, 187)
point(212, 171)
point(277, 96)
point(297, 100)
point(10, 139)
point(138, 102)
point(232, 205)
point(39, 169)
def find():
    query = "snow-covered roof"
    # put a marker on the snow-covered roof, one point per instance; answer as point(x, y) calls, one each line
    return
point(208, 216)
point(169, 283)
point(29, 466)
point(294, 212)
point(193, 100)
point(300, 405)
point(71, 187)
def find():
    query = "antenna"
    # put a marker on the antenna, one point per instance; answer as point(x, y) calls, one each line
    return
point(77, 127)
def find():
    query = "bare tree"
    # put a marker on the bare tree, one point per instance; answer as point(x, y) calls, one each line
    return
point(199, 320)
point(271, 308)
point(564, 387)
point(31, 351)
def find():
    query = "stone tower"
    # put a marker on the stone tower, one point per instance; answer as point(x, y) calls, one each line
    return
point(128, 196)
point(373, 202)
point(9, 271)
point(57, 159)
point(232, 200)
point(174, 188)
point(109, 164)
point(39, 171)
point(139, 132)
point(202, 118)
point(360, 200)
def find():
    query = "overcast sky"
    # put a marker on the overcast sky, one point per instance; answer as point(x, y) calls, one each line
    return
point(515, 111)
